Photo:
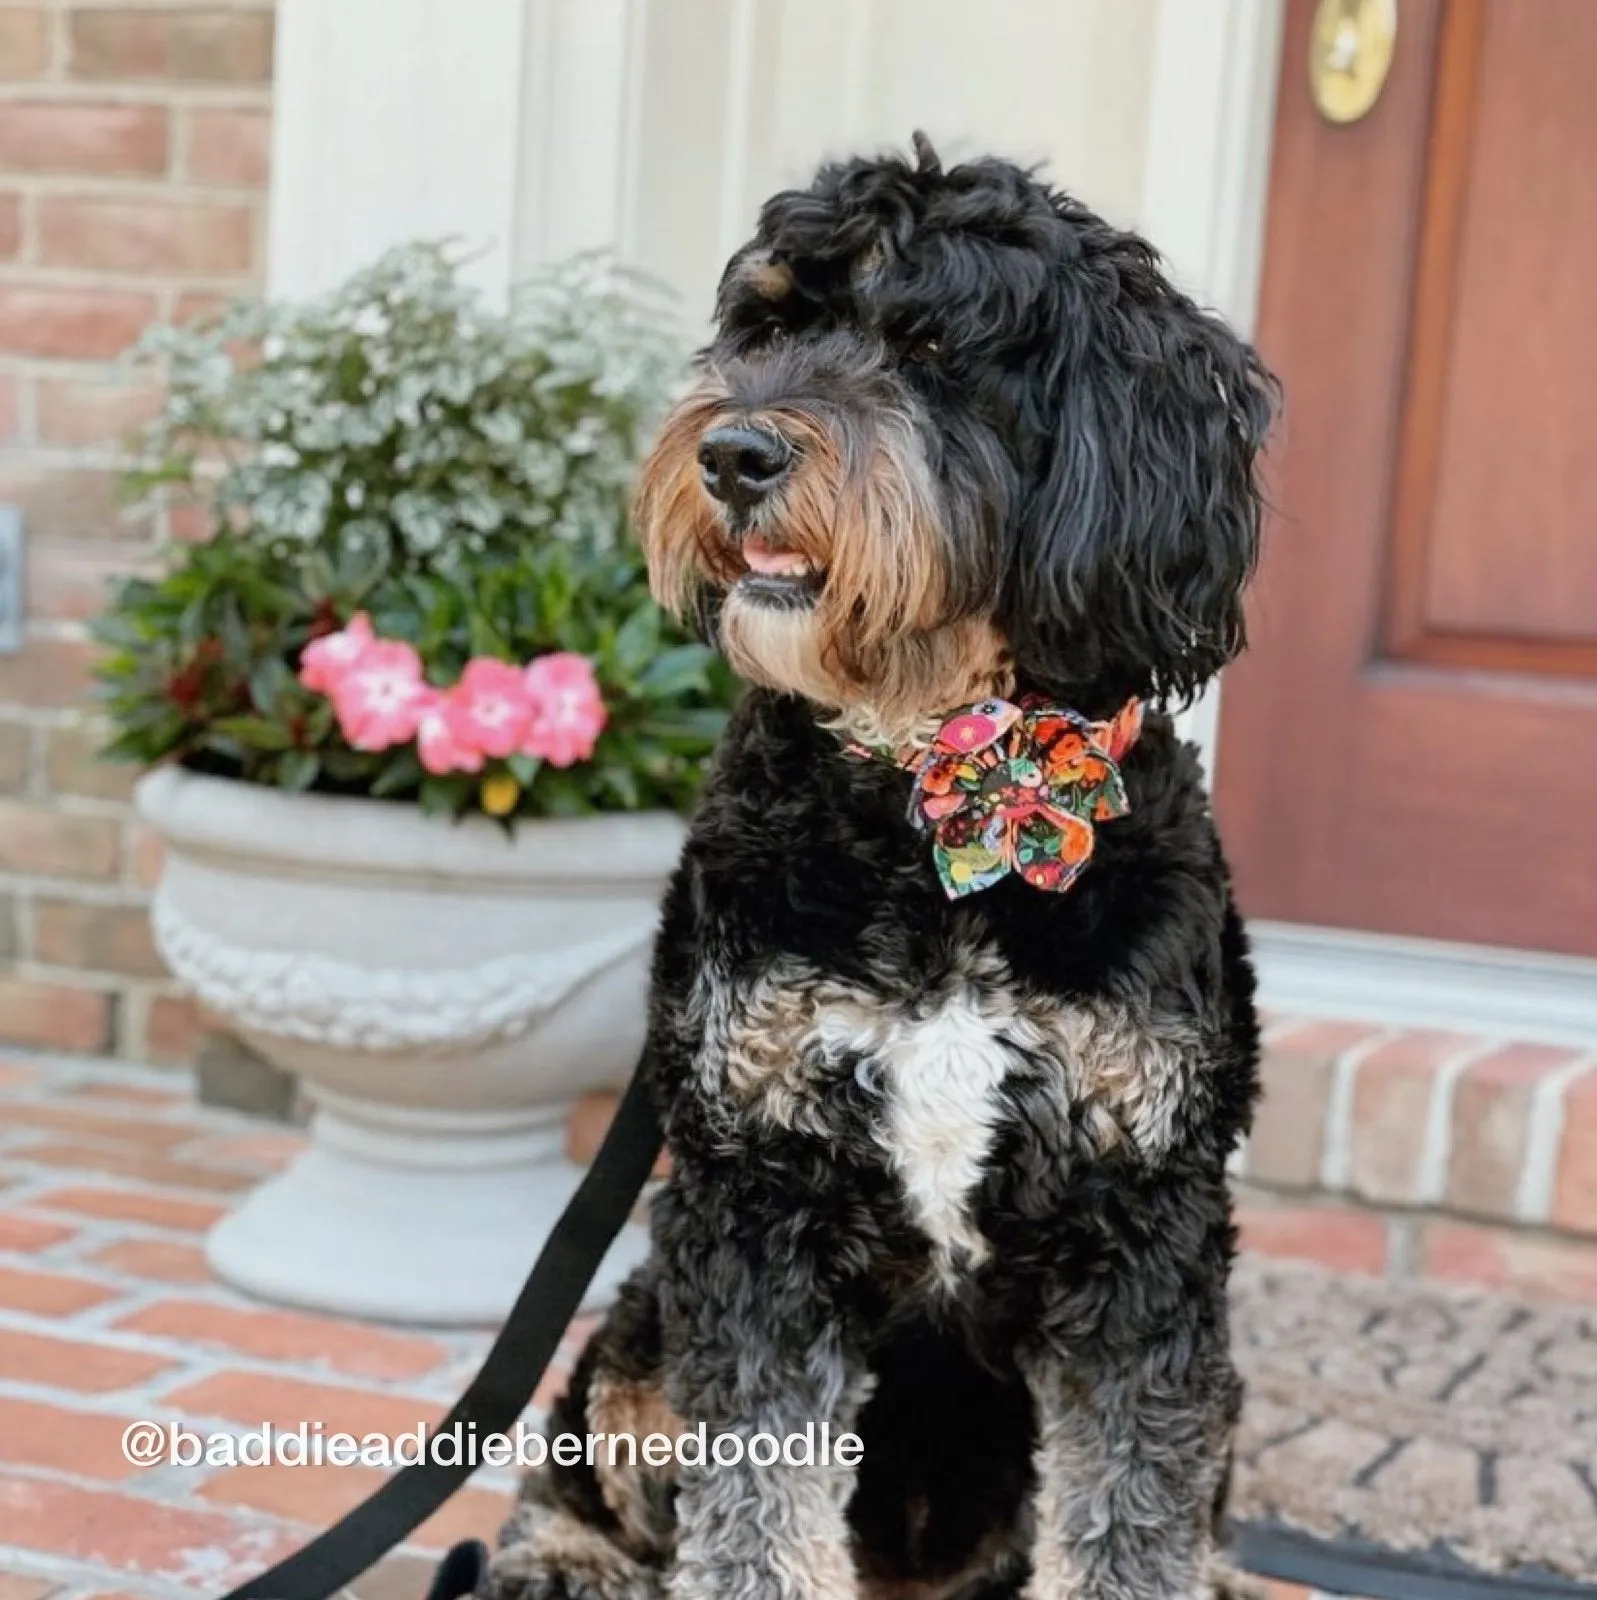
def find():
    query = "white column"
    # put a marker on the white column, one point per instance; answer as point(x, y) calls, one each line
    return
point(393, 120)
point(1211, 109)
point(507, 124)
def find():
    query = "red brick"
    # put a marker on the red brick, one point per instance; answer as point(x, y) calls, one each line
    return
point(201, 46)
point(230, 147)
point(10, 408)
point(91, 1122)
point(587, 1123)
point(144, 235)
point(54, 1016)
point(133, 1205)
point(72, 1364)
point(1510, 1259)
point(71, 582)
point(48, 672)
point(68, 503)
point(315, 1495)
point(82, 324)
point(255, 1397)
point(149, 855)
point(1575, 1183)
point(83, 411)
point(86, 1444)
point(73, 765)
point(28, 1234)
point(175, 1031)
point(201, 1549)
point(1323, 1041)
point(16, 763)
point(1287, 1142)
point(159, 1260)
point(196, 306)
point(13, 1586)
point(254, 1152)
point(353, 1350)
point(49, 1294)
point(1391, 1112)
point(130, 1094)
point(41, 841)
point(10, 225)
point(24, 42)
point(1491, 1126)
point(108, 140)
point(68, 933)
point(1329, 1236)
point(141, 1167)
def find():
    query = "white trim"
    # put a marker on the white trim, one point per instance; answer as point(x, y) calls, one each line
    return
point(392, 120)
point(1510, 994)
point(577, 148)
point(1205, 177)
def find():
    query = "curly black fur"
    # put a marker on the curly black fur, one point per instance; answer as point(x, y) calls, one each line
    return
point(951, 1174)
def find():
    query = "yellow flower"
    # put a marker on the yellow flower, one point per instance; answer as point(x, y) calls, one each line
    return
point(499, 794)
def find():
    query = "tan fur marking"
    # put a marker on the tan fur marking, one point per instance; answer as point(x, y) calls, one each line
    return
point(625, 1406)
point(768, 278)
point(877, 646)
point(1133, 1072)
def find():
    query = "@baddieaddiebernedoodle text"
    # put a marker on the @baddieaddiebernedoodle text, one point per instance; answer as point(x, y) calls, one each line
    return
point(309, 1444)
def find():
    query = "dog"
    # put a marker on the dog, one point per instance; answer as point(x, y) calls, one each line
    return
point(951, 1024)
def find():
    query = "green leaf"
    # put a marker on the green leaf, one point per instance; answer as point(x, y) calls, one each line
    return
point(254, 733)
point(637, 640)
point(298, 769)
point(402, 771)
point(681, 670)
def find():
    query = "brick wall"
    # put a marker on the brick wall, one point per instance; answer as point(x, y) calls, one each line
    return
point(133, 154)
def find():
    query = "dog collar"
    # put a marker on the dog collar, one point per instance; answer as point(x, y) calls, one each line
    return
point(1008, 786)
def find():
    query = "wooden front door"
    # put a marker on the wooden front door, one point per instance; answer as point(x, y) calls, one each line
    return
point(1411, 744)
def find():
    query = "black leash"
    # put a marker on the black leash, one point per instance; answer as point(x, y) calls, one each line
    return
point(499, 1393)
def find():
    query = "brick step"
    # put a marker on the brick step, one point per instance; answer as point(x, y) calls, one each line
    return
point(1401, 1151)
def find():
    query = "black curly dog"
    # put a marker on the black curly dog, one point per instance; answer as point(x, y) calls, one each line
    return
point(947, 1172)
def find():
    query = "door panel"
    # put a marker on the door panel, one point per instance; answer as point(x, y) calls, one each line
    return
point(1411, 744)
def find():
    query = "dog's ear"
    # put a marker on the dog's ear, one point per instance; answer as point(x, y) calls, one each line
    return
point(1142, 526)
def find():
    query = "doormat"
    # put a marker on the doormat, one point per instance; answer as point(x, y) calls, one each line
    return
point(1412, 1442)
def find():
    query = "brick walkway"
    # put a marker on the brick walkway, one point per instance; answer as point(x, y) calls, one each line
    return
point(109, 1177)
point(108, 1315)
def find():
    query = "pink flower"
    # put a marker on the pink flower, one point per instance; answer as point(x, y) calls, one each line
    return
point(438, 741)
point(567, 713)
point(489, 709)
point(326, 660)
point(380, 698)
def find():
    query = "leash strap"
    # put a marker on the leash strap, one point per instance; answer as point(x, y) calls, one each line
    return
point(496, 1397)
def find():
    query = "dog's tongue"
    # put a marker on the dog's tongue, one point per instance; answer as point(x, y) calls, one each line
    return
point(769, 563)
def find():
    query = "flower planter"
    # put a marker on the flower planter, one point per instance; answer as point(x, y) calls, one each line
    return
point(444, 993)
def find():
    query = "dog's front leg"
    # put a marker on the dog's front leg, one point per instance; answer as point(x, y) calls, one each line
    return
point(1130, 1449)
point(756, 1349)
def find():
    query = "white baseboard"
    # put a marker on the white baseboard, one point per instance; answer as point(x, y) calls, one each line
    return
point(1513, 994)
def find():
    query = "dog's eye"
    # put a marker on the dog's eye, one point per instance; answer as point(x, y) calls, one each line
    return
point(924, 350)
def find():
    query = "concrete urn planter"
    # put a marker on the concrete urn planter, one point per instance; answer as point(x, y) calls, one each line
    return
point(443, 993)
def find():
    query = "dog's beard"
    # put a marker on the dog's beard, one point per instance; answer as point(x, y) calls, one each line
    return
point(872, 633)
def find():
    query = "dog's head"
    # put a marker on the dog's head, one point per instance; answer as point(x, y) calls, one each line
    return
point(956, 432)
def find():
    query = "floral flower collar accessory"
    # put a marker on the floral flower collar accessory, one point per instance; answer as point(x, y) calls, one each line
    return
point(1016, 787)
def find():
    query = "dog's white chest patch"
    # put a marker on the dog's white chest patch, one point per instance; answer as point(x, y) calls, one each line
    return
point(941, 1078)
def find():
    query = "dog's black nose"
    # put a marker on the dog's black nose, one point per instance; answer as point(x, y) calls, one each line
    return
point(741, 464)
